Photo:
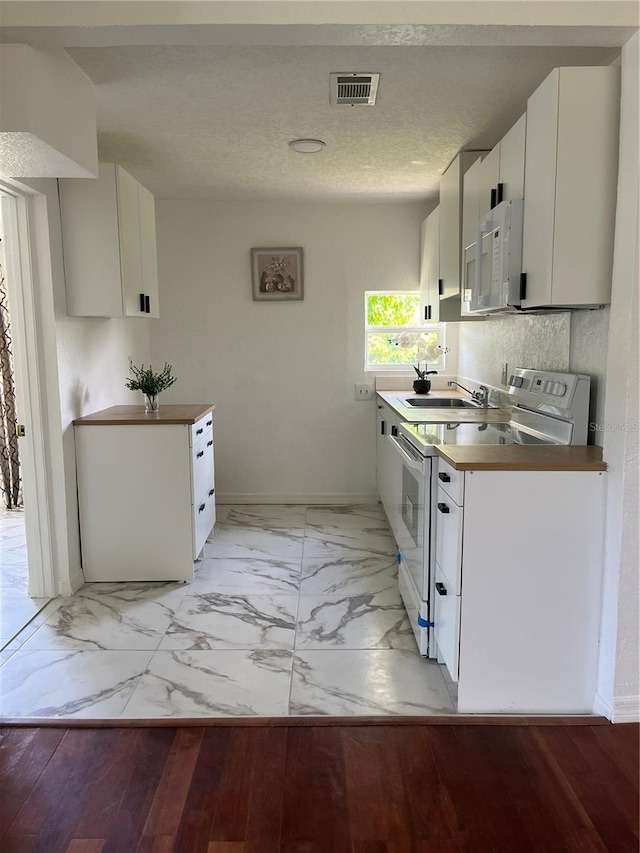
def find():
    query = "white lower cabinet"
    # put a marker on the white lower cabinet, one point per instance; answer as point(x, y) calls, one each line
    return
point(518, 590)
point(447, 622)
point(146, 495)
point(386, 469)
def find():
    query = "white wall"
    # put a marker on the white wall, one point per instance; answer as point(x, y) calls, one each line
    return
point(619, 684)
point(281, 375)
point(48, 116)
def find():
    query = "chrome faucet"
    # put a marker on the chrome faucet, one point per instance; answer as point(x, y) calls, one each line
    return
point(481, 396)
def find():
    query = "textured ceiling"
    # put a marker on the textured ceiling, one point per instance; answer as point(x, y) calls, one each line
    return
point(199, 99)
point(213, 121)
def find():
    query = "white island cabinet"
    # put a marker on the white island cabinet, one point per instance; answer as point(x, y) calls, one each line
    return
point(146, 491)
point(518, 582)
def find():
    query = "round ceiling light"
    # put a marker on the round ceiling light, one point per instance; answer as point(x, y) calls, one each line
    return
point(307, 146)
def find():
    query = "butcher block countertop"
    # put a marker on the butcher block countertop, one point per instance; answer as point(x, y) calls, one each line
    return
point(417, 415)
point(133, 415)
point(498, 457)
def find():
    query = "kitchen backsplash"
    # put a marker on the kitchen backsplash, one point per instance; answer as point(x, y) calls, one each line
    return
point(542, 341)
point(574, 341)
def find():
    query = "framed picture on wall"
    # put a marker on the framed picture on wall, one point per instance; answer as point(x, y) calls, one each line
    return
point(276, 274)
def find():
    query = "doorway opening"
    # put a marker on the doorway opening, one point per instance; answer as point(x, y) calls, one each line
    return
point(17, 607)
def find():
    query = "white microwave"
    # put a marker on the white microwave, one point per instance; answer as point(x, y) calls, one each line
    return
point(493, 264)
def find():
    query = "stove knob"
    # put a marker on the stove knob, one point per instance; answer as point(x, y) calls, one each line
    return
point(559, 389)
point(516, 381)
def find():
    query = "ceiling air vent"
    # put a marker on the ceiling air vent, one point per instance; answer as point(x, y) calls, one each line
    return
point(351, 89)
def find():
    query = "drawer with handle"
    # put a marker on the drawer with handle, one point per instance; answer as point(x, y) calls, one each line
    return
point(202, 430)
point(203, 472)
point(204, 517)
point(447, 622)
point(451, 481)
point(449, 518)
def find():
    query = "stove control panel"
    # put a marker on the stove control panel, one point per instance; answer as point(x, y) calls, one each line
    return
point(543, 386)
point(561, 395)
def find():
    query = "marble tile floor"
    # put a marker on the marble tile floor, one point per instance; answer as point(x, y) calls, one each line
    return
point(294, 610)
point(16, 608)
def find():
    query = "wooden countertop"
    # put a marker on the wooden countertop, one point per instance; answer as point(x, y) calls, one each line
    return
point(417, 415)
point(498, 457)
point(133, 415)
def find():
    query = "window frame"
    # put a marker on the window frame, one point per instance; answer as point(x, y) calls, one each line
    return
point(405, 367)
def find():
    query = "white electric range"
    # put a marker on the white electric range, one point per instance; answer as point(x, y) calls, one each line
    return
point(548, 408)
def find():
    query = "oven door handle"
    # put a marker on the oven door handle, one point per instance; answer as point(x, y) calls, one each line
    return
point(409, 461)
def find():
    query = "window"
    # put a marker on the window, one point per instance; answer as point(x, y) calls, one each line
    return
point(394, 337)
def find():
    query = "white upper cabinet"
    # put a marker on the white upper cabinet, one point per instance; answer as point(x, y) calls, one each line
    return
point(512, 158)
point(570, 187)
point(471, 204)
point(430, 267)
point(109, 242)
point(499, 176)
point(148, 249)
point(451, 237)
point(487, 182)
point(451, 222)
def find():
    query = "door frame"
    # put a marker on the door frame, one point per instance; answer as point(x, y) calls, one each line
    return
point(28, 354)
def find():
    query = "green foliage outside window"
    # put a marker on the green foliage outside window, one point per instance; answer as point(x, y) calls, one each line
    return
point(393, 309)
point(394, 336)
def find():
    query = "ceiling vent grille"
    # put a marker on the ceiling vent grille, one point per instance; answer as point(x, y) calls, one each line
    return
point(351, 89)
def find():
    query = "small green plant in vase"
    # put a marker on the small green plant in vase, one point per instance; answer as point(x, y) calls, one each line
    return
point(150, 383)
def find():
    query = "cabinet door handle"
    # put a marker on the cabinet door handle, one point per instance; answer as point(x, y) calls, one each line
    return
point(444, 477)
point(440, 286)
point(499, 193)
point(382, 427)
point(147, 304)
point(198, 455)
point(201, 507)
point(200, 431)
point(394, 430)
point(523, 286)
point(427, 312)
point(209, 423)
point(493, 197)
point(443, 508)
point(441, 588)
point(210, 444)
point(211, 491)
point(142, 304)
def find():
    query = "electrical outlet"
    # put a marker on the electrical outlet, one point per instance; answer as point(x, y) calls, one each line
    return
point(364, 392)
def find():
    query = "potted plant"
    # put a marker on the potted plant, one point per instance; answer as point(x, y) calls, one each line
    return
point(151, 384)
point(422, 385)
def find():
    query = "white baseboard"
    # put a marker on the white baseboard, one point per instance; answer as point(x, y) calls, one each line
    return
point(626, 709)
point(602, 707)
point(310, 499)
point(72, 585)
